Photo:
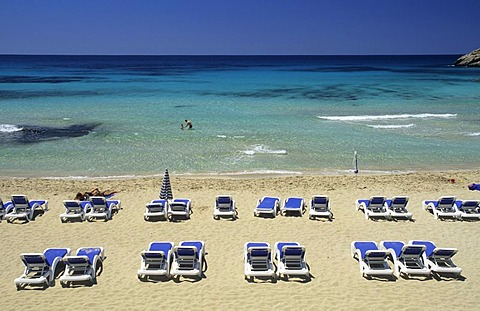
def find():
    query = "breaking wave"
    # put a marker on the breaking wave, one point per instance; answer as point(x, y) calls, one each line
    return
point(388, 117)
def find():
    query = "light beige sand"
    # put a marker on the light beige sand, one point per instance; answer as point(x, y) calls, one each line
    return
point(336, 282)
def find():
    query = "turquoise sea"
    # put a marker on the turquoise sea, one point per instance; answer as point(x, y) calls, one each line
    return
point(99, 116)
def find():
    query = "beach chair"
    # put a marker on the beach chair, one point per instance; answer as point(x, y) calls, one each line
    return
point(75, 210)
point(180, 208)
point(188, 259)
point(439, 260)
point(267, 206)
point(83, 266)
point(258, 260)
point(293, 205)
point(290, 258)
point(468, 209)
point(224, 207)
point(102, 208)
point(156, 208)
point(320, 207)
point(5, 208)
point(40, 267)
point(374, 207)
point(156, 260)
point(373, 262)
point(24, 208)
point(442, 208)
point(397, 207)
point(407, 259)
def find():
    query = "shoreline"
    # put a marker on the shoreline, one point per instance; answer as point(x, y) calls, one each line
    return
point(242, 175)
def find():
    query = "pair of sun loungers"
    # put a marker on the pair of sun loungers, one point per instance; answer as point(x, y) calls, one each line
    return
point(21, 208)
point(270, 206)
point(416, 258)
point(168, 209)
point(381, 207)
point(41, 268)
point(165, 259)
point(289, 256)
point(450, 207)
point(94, 208)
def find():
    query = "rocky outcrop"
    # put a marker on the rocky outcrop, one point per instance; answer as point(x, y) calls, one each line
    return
point(470, 60)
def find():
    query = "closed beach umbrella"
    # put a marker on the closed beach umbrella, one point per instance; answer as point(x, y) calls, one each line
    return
point(166, 190)
point(355, 163)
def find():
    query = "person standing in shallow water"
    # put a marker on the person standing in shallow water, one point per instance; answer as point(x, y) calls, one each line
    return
point(188, 125)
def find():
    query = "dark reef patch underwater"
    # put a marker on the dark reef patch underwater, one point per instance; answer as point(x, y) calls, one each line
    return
point(28, 134)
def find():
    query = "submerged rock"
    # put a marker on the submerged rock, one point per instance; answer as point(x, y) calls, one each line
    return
point(26, 134)
point(470, 60)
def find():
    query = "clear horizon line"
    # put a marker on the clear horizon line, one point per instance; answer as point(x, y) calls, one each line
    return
point(55, 54)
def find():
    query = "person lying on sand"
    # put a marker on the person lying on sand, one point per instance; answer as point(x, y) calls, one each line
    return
point(95, 192)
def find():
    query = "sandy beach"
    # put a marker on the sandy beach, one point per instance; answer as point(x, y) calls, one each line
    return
point(336, 282)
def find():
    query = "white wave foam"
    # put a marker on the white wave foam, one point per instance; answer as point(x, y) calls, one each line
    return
point(261, 149)
point(388, 117)
point(473, 134)
point(222, 136)
point(391, 126)
point(9, 128)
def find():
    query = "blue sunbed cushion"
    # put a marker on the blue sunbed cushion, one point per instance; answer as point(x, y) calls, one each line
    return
point(33, 259)
point(268, 203)
point(257, 244)
point(186, 201)
point(90, 252)
point(6, 205)
point(263, 252)
point(161, 201)
point(112, 201)
point(396, 246)
point(98, 200)
point(320, 200)
point(39, 202)
point(364, 201)
point(197, 244)
point(429, 246)
point(377, 200)
point(433, 202)
point(294, 251)
point(281, 245)
point(444, 252)
point(164, 247)
point(72, 204)
point(293, 203)
point(19, 200)
point(445, 201)
point(468, 204)
point(224, 200)
point(413, 250)
point(363, 247)
point(474, 186)
point(52, 253)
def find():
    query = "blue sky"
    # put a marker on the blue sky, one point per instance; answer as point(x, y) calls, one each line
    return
point(203, 27)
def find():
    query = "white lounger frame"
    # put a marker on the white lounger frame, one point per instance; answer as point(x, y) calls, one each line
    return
point(320, 210)
point(188, 265)
point(224, 210)
point(264, 263)
point(155, 266)
point(291, 265)
point(38, 273)
point(81, 272)
point(24, 211)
